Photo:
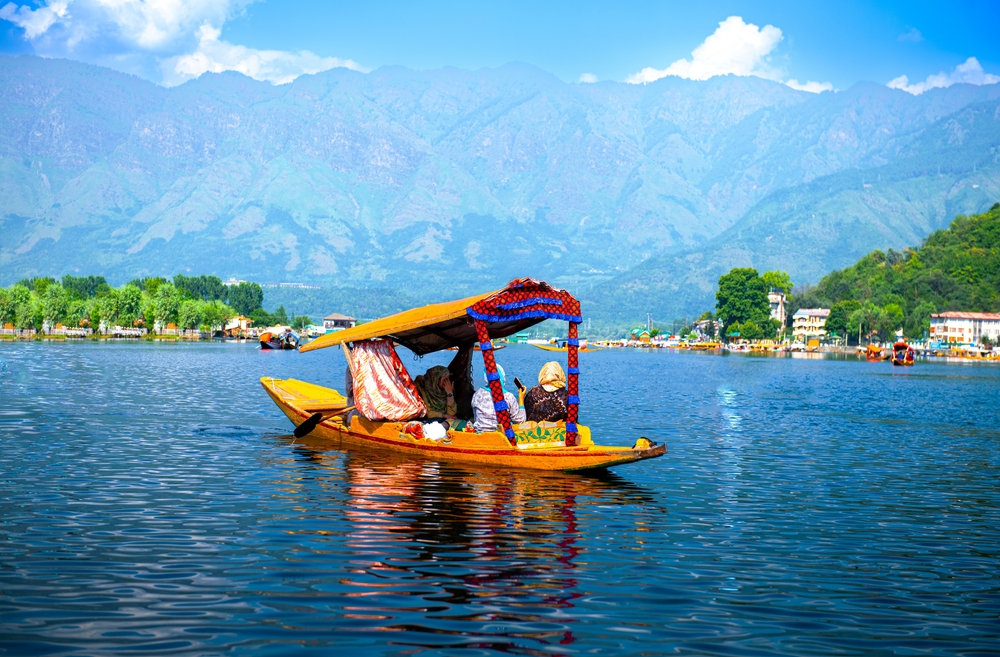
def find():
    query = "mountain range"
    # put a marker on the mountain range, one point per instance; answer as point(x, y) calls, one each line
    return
point(444, 183)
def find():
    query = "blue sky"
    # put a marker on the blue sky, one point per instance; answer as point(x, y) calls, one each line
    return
point(804, 44)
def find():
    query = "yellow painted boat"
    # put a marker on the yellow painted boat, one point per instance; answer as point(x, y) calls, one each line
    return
point(548, 347)
point(565, 446)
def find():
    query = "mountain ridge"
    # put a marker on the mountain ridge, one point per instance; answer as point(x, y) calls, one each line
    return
point(416, 178)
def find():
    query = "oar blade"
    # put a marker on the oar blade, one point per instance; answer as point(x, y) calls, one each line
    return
point(306, 427)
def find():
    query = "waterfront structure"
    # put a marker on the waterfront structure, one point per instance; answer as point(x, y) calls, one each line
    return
point(809, 323)
point(640, 335)
point(237, 325)
point(777, 300)
point(954, 328)
point(710, 328)
point(337, 322)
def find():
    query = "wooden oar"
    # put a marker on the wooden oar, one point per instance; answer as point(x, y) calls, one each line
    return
point(307, 427)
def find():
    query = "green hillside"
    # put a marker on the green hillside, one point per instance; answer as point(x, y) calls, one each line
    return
point(955, 269)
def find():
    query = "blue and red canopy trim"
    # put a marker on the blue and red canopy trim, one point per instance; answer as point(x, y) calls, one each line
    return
point(526, 298)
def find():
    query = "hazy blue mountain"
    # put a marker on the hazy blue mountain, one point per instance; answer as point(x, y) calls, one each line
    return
point(440, 182)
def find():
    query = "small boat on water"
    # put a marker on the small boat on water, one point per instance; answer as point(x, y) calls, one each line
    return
point(382, 386)
point(873, 353)
point(902, 354)
point(279, 337)
point(549, 347)
point(496, 347)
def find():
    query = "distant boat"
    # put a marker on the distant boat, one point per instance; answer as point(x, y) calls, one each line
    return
point(279, 337)
point(548, 347)
point(873, 353)
point(902, 354)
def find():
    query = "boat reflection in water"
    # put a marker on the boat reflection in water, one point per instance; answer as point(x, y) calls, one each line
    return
point(455, 556)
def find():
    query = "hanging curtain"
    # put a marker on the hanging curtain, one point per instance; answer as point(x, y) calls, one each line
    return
point(383, 389)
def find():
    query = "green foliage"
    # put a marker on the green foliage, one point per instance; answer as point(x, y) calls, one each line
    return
point(836, 322)
point(55, 303)
point(246, 297)
point(8, 310)
point(750, 330)
point(741, 298)
point(166, 304)
point(778, 280)
point(955, 269)
point(82, 287)
point(300, 321)
point(206, 288)
point(189, 314)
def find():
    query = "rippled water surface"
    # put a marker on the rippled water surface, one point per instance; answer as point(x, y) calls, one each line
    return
point(153, 503)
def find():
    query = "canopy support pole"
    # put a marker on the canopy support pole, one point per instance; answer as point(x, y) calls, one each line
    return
point(573, 387)
point(496, 390)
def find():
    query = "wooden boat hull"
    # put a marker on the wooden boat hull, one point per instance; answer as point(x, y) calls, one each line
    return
point(298, 400)
point(563, 349)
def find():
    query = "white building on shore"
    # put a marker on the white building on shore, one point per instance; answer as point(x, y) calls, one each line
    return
point(954, 328)
point(777, 300)
point(809, 323)
point(337, 322)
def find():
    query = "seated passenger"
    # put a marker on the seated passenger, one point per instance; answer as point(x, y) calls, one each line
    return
point(436, 389)
point(547, 402)
point(482, 406)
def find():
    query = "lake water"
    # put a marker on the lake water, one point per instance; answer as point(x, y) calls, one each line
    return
point(153, 503)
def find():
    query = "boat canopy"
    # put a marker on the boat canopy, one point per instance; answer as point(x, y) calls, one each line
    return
point(452, 324)
point(522, 304)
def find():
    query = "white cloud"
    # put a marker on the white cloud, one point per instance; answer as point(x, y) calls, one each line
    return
point(173, 40)
point(277, 66)
point(588, 78)
point(735, 48)
point(810, 86)
point(34, 21)
point(912, 35)
point(969, 72)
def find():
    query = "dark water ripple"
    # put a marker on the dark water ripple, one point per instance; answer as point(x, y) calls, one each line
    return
point(153, 503)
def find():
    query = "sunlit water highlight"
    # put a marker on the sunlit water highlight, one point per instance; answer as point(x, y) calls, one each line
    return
point(153, 502)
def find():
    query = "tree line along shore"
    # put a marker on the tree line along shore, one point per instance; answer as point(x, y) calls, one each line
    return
point(955, 270)
point(88, 305)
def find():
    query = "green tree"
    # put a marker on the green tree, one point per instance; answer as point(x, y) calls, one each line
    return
point(778, 280)
point(82, 287)
point(750, 330)
point(246, 297)
point(8, 309)
point(130, 305)
point(742, 297)
point(215, 314)
point(864, 321)
point(166, 304)
point(206, 288)
point(77, 310)
point(280, 316)
point(890, 320)
point(55, 303)
point(918, 322)
point(836, 321)
point(24, 306)
point(189, 314)
point(261, 318)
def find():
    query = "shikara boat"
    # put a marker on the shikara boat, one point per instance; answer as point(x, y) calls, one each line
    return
point(873, 353)
point(565, 446)
point(279, 338)
point(548, 347)
point(902, 354)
